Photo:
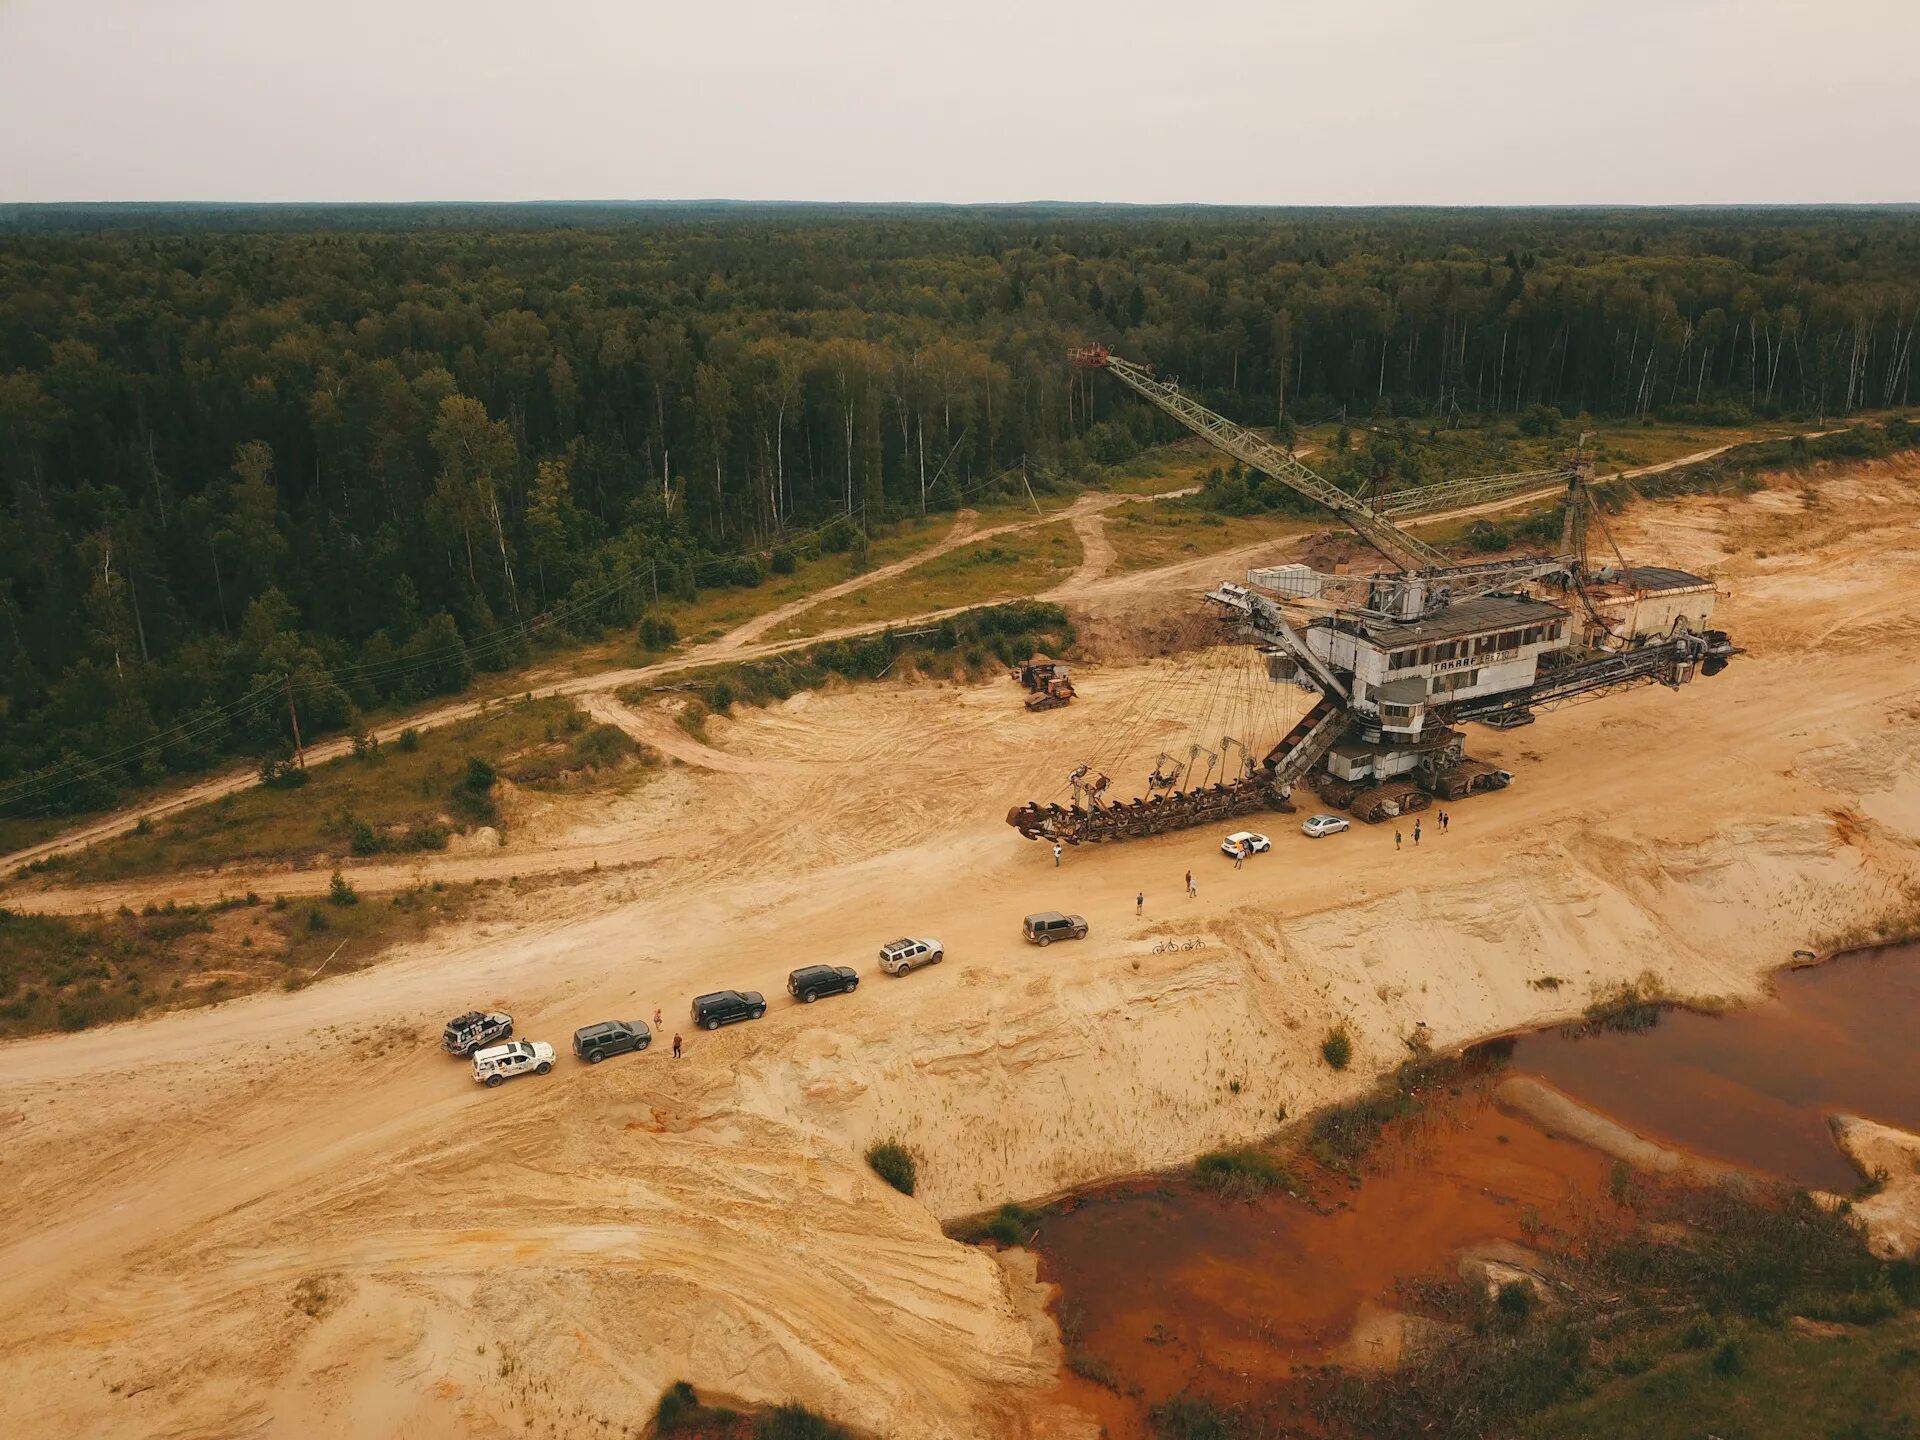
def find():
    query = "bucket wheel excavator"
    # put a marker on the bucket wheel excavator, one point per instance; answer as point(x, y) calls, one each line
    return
point(1395, 658)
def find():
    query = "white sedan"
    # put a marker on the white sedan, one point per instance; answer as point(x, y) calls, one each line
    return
point(1245, 842)
point(1321, 825)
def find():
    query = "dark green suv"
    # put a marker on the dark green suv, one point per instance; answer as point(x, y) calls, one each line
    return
point(810, 982)
point(610, 1037)
point(723, 1007)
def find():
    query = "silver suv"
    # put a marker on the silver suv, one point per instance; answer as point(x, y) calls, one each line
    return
point(1050, 925)
point(900, 956)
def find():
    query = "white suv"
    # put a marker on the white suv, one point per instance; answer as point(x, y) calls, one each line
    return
point(503, 1062)
point(901, 956)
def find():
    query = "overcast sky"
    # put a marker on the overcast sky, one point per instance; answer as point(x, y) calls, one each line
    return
point(1231, 101)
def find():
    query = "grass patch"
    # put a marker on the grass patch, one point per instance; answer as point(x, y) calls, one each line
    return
point(1195, 1417)
point(977, 641)
point(73, 973)
point(1633, 1006)
point(1244, 1173)
point(1341, 1136)
point(682, 1413)
point(895, 1164)
point(1011, 1224)
point(1000, 568)
point(402, 797)
point(1166, 532)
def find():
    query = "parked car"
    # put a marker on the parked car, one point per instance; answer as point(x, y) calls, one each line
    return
point(498, 1063)
point(467, 1033)
point(1322, 825)
point(1050, 925)
point(1245, 842)
point(897, 957)
point(810, 982)
point(724, 1007)
point(595, 1043)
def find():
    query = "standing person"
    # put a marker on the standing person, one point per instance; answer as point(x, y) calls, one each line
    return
point(1139, 904)
point(676, 1044)
point(1416, 832)
point(1191, 892)
point(1445, 821)
point(658, 1023)
point(1239, 854)
point(1396, 838)
point(1056, 854)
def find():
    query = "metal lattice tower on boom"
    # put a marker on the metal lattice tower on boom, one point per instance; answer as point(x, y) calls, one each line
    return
point(1427, 581)
point(1266, 457)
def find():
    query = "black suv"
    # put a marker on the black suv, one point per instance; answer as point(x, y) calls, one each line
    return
point(723, 1007)
point(611, 1037)
point(810, 982)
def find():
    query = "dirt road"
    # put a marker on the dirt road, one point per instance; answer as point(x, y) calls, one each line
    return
point(743, 642)
point(290, 1215)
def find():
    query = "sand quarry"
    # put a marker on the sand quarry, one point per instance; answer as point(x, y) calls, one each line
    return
point(291, 1215)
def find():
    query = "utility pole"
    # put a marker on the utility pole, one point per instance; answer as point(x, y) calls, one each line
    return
point(299, 751)
point(1023, 481)
point(653, 569)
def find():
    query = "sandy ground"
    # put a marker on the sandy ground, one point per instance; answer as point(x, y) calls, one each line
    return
point(290, 1215)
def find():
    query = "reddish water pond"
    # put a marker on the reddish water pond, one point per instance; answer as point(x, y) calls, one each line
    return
point(1174, 1290)
point(1755, 1087)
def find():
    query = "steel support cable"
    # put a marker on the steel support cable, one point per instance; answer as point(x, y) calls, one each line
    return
point(1153, 698)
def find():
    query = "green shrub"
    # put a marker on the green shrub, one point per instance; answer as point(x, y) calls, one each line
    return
point(340, 890)
point(1513, 1301)
point(409, 740)
point(657, 632)
point(894, 1163)
point(679, 1398)
point(362, 838)
point(1337, 1048)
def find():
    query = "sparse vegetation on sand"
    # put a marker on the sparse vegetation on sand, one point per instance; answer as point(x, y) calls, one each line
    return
point(1244, 1173)
point(961, 645)
point(682, 1414)
point(1024, 562)
point(72, 973)
point(1011, 1224)
point(411, 795)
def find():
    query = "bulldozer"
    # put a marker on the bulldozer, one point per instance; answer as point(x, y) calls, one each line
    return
point(1055, 693)
point(1038, 672)
point(1047, 679)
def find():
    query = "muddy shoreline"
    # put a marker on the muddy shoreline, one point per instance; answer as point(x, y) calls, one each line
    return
point(1165, 1290)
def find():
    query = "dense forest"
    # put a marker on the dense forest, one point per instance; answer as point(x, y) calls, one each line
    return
point(356, 453)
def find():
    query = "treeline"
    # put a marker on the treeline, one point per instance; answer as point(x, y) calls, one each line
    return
point(364, 451)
